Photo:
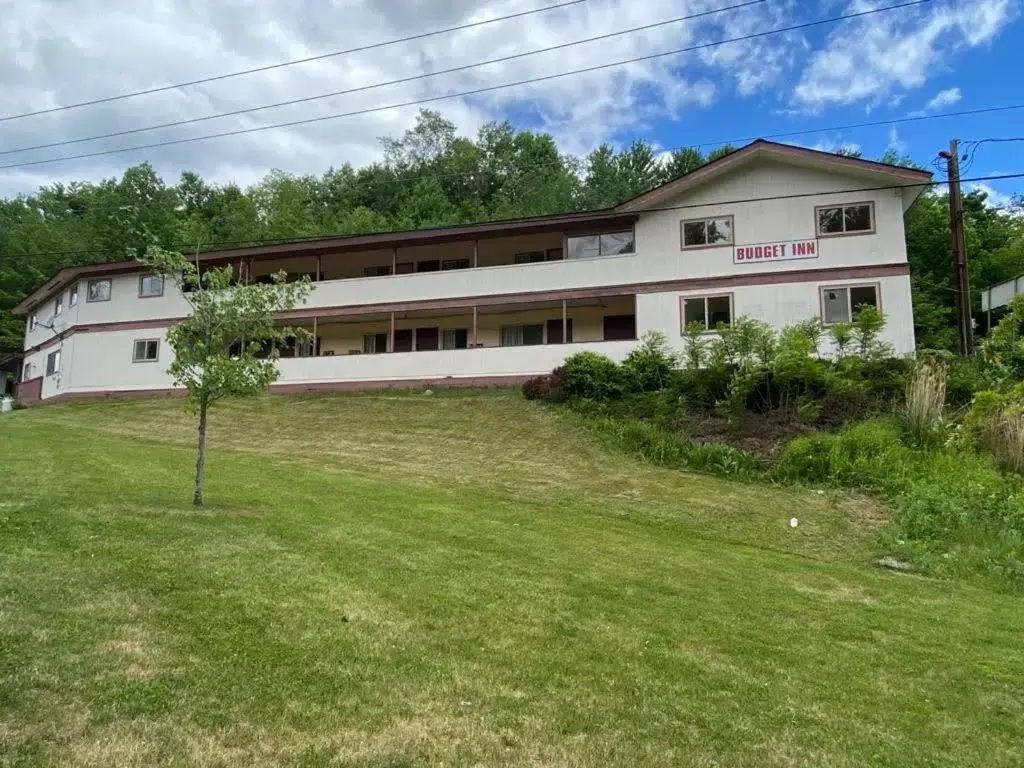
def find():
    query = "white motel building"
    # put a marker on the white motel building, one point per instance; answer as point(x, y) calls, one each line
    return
point(771, 231)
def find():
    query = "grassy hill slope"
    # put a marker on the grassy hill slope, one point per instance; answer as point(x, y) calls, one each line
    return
point(462, 579)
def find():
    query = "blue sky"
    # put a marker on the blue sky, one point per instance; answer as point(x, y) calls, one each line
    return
point(971, 77)
point(932, 57)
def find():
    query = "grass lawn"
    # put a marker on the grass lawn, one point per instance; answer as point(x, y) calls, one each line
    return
point(462, 579)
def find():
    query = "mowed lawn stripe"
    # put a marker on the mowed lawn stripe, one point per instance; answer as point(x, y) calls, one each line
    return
point(311, 615)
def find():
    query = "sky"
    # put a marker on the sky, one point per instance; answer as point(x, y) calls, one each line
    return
point(922, 60)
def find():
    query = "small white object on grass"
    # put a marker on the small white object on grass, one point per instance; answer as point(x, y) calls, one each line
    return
point(793, 522)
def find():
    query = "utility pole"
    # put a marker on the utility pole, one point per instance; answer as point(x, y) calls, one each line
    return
point(956, 230)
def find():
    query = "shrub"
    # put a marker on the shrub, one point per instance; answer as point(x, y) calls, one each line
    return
point(1003, 350)
point(926, 397)
point(995, 423)
point(700, 389)
point(593, 376)
point(842, 338)
point(649, 367)
point(868, 323)
point(676, 451)
point(964, 377)
point(743, 342)
point(696, 351)
point(548, 386)
point(866, 455)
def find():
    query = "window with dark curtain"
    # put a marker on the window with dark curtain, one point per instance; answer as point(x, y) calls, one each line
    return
point(619, 327)
point(426, 339)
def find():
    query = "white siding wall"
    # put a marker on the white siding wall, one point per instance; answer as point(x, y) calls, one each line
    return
point(102, 360)
point(782, 305)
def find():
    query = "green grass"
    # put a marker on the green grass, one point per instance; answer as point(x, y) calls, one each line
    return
point(462, 579)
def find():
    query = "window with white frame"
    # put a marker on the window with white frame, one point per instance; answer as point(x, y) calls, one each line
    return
point(33, 321)
point(98, 290)
point(521, 335)
point(706, 233)
point(53, 362)
point(454, 338)
point(151, 286)
point(845, 219)
point(58, 305)
point(26, 374)
point(707, 311)
point(146, 351)
point(839, 303)
point(610, 244)
point(73, 295)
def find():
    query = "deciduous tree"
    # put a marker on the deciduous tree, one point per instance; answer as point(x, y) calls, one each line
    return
point(227, 346)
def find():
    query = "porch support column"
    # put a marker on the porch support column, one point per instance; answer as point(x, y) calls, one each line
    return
point(394, 261)
point(565, 324)
point(476, 253)
point(391, 334)
point(474, 325)
point(317, 271)
point(315, 345)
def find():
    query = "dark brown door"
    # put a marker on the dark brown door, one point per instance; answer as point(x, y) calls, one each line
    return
point(403, 340)
point(555, 331)
point(426, 339)
point(619, 327)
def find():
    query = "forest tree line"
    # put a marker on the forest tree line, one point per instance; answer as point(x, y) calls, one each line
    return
point(429, 177)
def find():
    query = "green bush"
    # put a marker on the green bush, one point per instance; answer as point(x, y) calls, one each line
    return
point(699, 390)
point(592, 376)
point(870, 454)
point(649, 367)
point(674, 450)
point(965, 377)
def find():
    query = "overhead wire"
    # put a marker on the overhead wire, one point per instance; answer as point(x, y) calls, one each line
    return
point(473, 92)
point(293, 62)
point(938, 164)
point(386, 83)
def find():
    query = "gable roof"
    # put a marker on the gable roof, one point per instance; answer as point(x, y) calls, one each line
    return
point(762, 149)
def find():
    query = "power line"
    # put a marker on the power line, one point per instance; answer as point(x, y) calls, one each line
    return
point(399, 81)
point(419, 175)
point(973, 147)
point(267, 68)
point(653, 209)
point(415, 176)
point(487, 89)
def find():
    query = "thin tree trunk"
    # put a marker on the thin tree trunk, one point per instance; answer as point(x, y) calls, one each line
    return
point(197, 498)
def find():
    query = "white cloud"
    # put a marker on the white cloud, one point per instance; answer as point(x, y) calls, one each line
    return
point(874, 57)
point(61, 53)
point(995, 197)
point(946, 98)
point(69, 52)
point(895, 142)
